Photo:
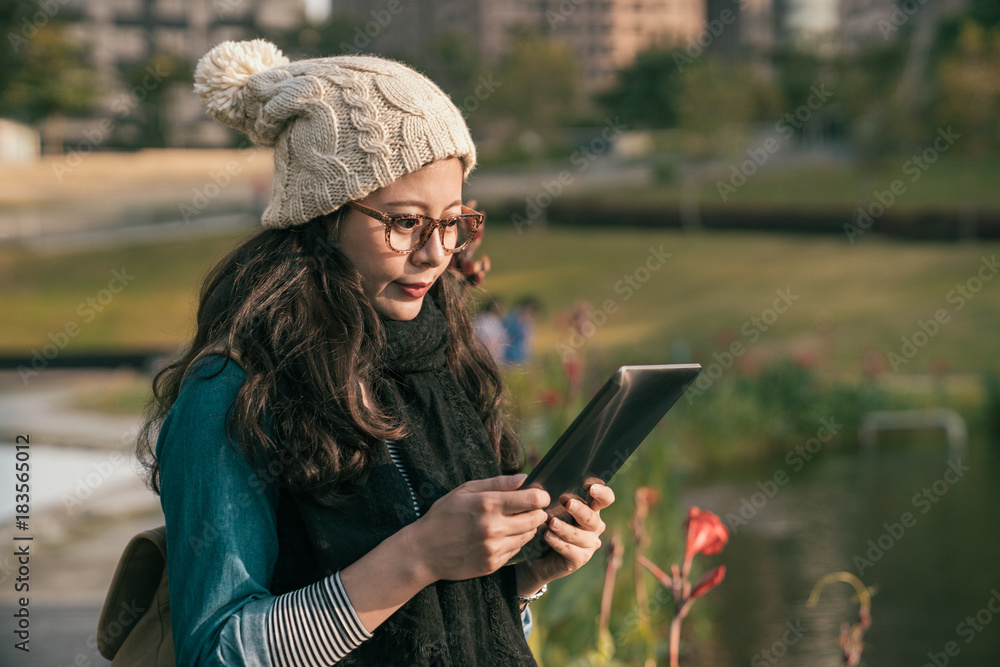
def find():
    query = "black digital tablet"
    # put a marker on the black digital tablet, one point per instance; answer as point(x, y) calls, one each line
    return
point(603, 436)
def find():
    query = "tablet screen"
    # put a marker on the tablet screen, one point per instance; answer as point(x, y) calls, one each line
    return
point(604, 435)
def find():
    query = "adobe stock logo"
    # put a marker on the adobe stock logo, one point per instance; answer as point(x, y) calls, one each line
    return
point(88, 309)
point(630, 283)
point(958, 297)
point(752, 330)
point(582, 158)
point(923, 500)
point(796, 458)
point(786, 126)
point(773, 654)
point(915, 167)
point(968, 629)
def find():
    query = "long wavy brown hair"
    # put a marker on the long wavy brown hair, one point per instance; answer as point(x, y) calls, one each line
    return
point(292, 305)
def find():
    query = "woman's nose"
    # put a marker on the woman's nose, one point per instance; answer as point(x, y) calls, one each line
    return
point(432, 253)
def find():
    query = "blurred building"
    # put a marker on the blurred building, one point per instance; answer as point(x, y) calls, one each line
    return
point(632, 27)
point(19, 143)
point(124, 34)
point(605, 35)
point(859, 21)
point(766, 25)
point(866, 22)
point(832, 26)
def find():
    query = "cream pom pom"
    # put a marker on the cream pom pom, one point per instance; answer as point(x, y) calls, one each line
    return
point(223, 72)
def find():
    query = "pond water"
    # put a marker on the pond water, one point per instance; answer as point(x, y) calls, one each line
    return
point(917, 521)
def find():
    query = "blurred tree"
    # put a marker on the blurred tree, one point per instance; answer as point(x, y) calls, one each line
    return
point(537, 85)
point(968, 58)
point(12, 14)
point(797, 72)
point(646, 93)
point(985, 13)
point(716, 103)
point(864, 82)
point(969, 81)
point(897, 94)
point(48, 74)
point(452, 60)
point(145, 103)
point(339, 34)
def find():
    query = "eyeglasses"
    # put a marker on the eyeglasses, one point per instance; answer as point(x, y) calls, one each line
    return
point(409, 232)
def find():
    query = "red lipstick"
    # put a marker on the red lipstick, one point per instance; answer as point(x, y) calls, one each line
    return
point(414, 290)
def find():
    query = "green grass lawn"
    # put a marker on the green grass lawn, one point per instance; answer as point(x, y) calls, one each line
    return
point(704, 296)
point(873, 292)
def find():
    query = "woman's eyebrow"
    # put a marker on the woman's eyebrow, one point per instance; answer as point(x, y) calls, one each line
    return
point(419, 204)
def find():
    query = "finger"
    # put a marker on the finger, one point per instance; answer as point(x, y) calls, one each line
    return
point(601, 496)
point(522, 500)
point(586, 518)
point(499, 483)
point(575, 555)
point(512, 545)
point(580, 537)
point(525, 523)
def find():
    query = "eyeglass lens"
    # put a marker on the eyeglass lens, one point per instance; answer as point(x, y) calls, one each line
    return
point(408, 233)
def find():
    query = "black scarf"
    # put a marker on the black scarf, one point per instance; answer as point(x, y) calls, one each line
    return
point(459, 623)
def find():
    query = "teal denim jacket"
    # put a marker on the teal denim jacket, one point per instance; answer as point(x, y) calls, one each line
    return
point(222, 537)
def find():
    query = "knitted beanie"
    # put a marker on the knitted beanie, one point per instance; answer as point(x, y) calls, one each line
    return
point(341, 127)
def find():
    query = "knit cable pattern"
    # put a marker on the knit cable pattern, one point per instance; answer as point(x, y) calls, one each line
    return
point(341, 127)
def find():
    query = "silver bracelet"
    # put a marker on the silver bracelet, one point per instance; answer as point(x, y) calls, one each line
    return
point(540, 593)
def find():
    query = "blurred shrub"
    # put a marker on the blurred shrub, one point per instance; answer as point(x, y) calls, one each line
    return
point(740, 418)
point(991, 404)
point(745, 418)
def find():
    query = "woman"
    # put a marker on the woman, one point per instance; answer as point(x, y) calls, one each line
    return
point(336, 473)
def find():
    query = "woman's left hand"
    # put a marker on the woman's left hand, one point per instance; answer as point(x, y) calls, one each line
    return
point(572, 546)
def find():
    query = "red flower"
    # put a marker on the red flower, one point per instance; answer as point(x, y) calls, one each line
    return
point(706, 534)
point(711, 579)
point(551, 397)
point(647, 495)
point(573, 367)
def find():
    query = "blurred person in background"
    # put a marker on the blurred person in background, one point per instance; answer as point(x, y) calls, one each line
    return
point(520, 326)
point(488, 325)
point(338, 478)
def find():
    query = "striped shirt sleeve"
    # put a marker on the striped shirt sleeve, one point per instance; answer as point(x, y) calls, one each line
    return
point(314, 626)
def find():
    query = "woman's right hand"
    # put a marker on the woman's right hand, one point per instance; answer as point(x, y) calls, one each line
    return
point(477, 527)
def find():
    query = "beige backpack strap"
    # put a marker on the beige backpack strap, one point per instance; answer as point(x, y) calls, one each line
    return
point(134, 591)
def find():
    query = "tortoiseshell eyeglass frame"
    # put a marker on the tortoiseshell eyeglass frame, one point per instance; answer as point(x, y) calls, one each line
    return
point(428, 225)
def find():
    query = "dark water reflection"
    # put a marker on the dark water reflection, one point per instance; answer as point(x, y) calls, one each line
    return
point(931, 576)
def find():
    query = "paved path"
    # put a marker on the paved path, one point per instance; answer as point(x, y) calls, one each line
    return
point(61, 635)
point(44, 408)
point(87, 502)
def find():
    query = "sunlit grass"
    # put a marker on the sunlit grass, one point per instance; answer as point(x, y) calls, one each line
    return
point(706, 293)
